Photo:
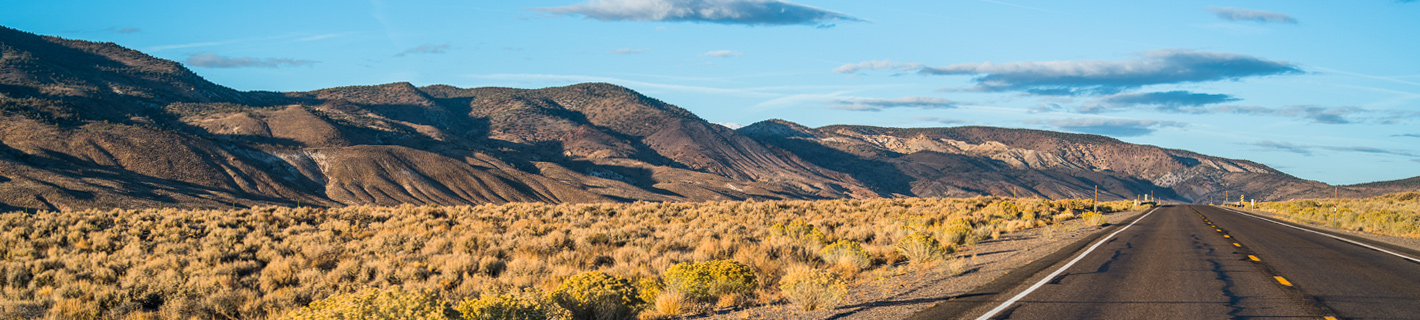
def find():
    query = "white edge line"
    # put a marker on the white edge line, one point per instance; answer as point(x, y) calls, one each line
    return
point(1333, 237)
point(1057, 272)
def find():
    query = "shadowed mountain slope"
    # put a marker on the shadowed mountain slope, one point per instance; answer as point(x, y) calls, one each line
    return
point(86, 124)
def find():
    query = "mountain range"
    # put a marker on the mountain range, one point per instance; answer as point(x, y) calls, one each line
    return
point(95, 125)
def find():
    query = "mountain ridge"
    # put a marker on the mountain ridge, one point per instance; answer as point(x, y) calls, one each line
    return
point(94, 125)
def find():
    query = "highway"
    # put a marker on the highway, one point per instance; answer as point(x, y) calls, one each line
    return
point(1203, 262)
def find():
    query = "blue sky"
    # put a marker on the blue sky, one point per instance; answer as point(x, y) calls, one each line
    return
point(1328, 90)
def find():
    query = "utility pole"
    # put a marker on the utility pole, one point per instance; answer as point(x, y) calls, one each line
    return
point(1097, 198)
point(1335, 199)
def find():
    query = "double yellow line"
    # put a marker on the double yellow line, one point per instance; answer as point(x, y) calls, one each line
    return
point(1280, 279)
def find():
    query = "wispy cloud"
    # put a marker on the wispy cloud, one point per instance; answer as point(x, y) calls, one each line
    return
point(212, 60)
point(1169, 101)
point(1170, 66)
point(939, 120)
point(877, 104)
point(1019, 6)
point(124, 30)
point(1318, 114)
point(744, 12)
point(627, 51)
point(1112, 127)
point(425, 49)
point(1309, 150)
point(1239, 14)
point(877, 65)
point(562, 78)
point(1268, 145)
point(724, 54)
point(1408, 135)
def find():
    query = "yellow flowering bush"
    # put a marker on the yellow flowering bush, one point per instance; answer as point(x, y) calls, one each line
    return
point(524, 305)
point(596, 295)
point(711, 279)
point(374, 304)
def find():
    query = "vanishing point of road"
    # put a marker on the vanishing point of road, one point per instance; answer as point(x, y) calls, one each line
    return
point(1202, 262)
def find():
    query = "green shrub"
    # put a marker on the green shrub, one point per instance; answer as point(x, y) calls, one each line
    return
point(846, 254)
point(813, 289)
point(920, 247)
point(708, 280)
point(525, 305)
point(596, 295)
point(374, 304)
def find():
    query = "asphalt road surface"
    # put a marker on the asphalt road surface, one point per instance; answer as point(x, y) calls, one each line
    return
point(1201, 262)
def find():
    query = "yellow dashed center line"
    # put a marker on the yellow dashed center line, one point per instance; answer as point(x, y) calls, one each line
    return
point(1219, 230)
point(1254, 258)
point(1235, 244)
point(1227, 236)
point(1283, 281)
point(1329, 318)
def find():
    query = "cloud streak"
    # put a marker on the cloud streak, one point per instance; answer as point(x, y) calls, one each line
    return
point(628, 51)
point(743, 12)
point(212, 60)
point(1239, 14)
point(1310, 150)
point(877, 65)
point(425, 49)
point(1113, 127)
point(877, 104)
point(1169, 66)
point(1169, 101)
point(939, 120)
point(724, 53)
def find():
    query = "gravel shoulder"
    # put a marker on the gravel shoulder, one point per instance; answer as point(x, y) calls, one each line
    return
point(899, 291)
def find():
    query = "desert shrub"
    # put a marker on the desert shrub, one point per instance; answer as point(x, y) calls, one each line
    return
point(523, 305)
point(920, 247)
point(845, 253)
point(375, 304)
point(955, 233)
point(813, 289)
point(1094, 218)
point(1396, 214)
point(648, 289)
point(672, 303)
point(594, 295)
point(709, 280)
point(801, 232)
point(265, 262)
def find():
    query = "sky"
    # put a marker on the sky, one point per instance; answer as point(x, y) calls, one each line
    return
point(1323, 90)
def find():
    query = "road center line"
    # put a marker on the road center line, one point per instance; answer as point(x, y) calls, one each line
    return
point(1057, 272)
point(1324, 234)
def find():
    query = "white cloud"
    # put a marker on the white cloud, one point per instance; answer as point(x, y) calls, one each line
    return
point(628, 51)
point(746, 12)
point(1168, 66)
point(877, 104)
point(724, 53)
point(212, 60)
point(1239, 14)
point(425, 48)
point(877, 65)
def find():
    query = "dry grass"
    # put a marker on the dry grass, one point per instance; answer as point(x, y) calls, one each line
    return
point(1396, 214)
point(266, 262)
